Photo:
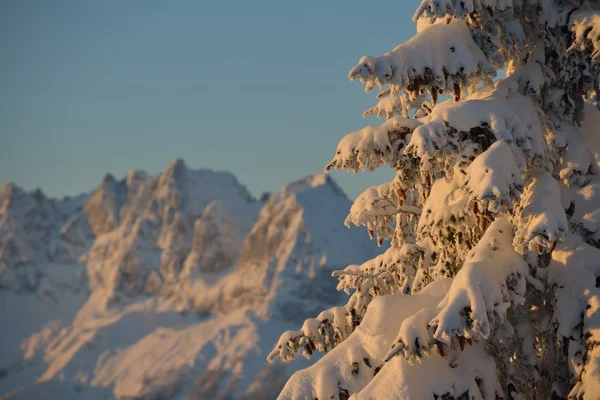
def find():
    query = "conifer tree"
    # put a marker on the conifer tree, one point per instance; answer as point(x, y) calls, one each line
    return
point(489, 288)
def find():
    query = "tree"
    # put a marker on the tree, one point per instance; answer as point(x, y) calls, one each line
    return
point(490, 286)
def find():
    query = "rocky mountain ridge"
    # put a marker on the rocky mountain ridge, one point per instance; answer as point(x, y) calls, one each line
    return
point(164, 285)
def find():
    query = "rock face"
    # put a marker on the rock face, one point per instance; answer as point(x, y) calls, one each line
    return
point(298, 239)
point(30, 228)
point(157, 218)
point(103, 207)
point(216, 241)
point(109, 279)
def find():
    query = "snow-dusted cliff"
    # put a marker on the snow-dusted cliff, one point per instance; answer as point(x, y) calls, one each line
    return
point(164, 285)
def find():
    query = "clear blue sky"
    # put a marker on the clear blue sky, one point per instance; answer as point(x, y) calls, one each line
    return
point(258, 88)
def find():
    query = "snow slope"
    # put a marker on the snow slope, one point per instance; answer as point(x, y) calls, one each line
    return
point(166, 285)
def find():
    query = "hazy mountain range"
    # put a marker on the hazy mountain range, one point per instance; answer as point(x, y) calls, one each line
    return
point(164, 286)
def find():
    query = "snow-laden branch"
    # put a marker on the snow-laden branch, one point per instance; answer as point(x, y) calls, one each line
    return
point(574, 272)
point(446, 205)
point(540, 218)
point(491, 281)
point(585, 25)
point(489, 115)
point(391, 272)
point(588, 384)
point(462, 8)
point(448, 228)
point(550, 12)
point(323, 333)
point(387, 274)
point(473, 375)
point(581, 65)
point(576, 160)
point(387, 107)
point(493, 179)
point(390, 104)
point(531, 76)
point(373, 146)
point(375, 209)
point(440, 58)
point(349, 368)
point(581, 204)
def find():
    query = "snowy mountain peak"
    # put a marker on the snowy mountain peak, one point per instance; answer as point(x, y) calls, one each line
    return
point(176, 172)
point(307, 214)
point(134, 178)
point(108, 180)
point(317, 180)
point(32, 211)
point(104, 205)
point(149, 246)
point(8, 188)
point(6, 195)
point(177, 163)
point(9, 194)
point(160, 226)
point(38, 195)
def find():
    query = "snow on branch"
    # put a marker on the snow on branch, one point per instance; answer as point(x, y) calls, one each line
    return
point(389, 273)
point(375, 209)
point(323, 333)
point(489, 115)
point(576, 161)
point(531, 76)
point(589, 377)
point(574, 274)
point(462, 8)
point(349, 368)
point(373, 146)
point(549, 12)
point(387, 107)
point(440, 58)
point(540, 218)
point(581, 66)
point(491, 281)
point(493, 179)
point(390, 104)
point(449, 228)
point(473, 375)
point(585, 25)
point(446, 205)
point(581, 204)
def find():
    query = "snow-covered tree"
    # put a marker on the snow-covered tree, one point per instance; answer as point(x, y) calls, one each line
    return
point(490, 286)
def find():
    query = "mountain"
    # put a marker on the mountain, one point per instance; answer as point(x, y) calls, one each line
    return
point(174, 285)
